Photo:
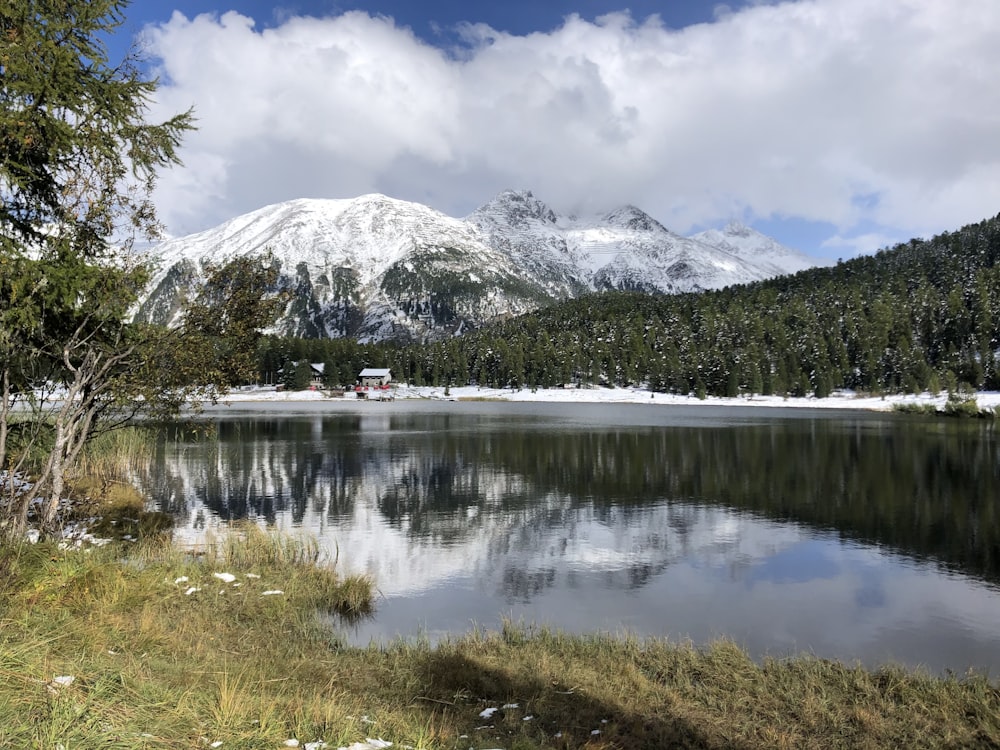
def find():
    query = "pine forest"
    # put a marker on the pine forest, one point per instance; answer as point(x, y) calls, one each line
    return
point(917, 317)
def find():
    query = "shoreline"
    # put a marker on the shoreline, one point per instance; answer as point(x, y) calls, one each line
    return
point(226, 658)
point(839, 400)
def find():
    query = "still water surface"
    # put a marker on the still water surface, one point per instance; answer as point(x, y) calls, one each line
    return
point(861, 537)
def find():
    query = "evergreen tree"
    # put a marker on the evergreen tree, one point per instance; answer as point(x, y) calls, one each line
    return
point(301, 376)
point(77, 163)
point(222, 326)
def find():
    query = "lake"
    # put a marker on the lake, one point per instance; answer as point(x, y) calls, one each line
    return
point(857, 536)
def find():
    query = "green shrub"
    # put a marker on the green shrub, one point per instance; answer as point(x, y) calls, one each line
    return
point(911, 408)
point(956, 406)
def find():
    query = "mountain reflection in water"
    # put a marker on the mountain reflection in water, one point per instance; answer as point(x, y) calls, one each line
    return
point(855, 537)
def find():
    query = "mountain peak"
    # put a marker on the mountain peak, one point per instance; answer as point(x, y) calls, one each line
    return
point(517, 207)
point(736, 228)
point(630, 217)
point(750, 245)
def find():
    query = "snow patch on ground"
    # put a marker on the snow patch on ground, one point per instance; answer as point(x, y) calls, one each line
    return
point(839, 399)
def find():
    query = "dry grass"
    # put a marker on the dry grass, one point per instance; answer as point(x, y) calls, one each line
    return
point(154, 665)
point(101, 487)
point(157, 667)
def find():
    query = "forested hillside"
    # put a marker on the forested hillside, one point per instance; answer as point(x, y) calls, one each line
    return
point(922, 315)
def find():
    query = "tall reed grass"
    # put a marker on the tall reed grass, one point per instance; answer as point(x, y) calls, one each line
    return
point(116, 455)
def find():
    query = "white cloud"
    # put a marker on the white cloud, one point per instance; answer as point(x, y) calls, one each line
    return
point(844, 111)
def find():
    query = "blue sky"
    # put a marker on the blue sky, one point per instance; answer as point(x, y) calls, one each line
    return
point(431, 20)
point(836, 126)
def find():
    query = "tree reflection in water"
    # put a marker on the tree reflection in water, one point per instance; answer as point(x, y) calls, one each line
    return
point(929, 489)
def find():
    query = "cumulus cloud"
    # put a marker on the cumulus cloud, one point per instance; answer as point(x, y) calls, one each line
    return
point(848, 112)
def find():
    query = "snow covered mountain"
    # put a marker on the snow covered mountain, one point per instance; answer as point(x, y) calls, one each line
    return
point(757, 249)
point(377, 268)
point(625, 249)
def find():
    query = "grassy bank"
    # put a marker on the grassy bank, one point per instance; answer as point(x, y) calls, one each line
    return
point(165, 648)
point(165, 653)
point(955, 406)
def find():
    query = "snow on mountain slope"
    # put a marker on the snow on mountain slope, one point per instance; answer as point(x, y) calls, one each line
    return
point(528, 232)
point(759, 249)
point(624, 249)
point(630, 250)
point(377, 268)
point(371, 267)
point(367, 234)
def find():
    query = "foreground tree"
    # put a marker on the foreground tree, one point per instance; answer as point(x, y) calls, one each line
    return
point(222, 326)
point(78, 161)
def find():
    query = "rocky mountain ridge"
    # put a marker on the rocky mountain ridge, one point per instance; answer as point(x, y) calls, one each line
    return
point(377, 268)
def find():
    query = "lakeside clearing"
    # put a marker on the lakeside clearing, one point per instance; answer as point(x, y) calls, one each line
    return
point(844, 400)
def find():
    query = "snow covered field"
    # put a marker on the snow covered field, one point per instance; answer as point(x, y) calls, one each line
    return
point(839, 400)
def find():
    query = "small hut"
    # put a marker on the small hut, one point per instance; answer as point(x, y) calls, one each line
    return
point(375, 377)
point(373, 382)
